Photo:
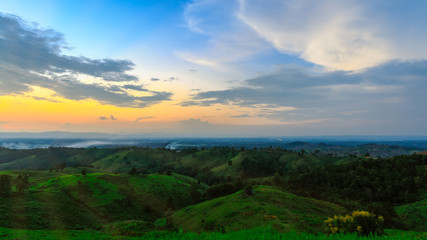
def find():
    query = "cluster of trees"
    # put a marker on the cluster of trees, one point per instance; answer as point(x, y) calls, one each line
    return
point(6, 183)
point(373, 184)
point(367, 180)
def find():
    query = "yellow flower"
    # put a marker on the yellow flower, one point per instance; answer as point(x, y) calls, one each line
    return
point(361, 214)
point(359, 228)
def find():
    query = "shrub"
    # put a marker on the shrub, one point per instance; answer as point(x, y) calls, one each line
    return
point(131, 228)
point(362, 222)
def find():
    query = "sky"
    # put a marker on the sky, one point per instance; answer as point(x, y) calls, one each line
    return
point(218, 68)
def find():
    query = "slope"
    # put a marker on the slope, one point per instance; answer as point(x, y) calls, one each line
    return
point(267, 206)
point(75, 201)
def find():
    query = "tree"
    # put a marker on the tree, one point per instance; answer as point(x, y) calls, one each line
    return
point(276, 179)
point(5, 185)
point(133, 171)
point(22, 183)
point(60, 166)
point(248, 190)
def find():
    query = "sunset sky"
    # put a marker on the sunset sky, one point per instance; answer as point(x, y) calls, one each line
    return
point(214, 67)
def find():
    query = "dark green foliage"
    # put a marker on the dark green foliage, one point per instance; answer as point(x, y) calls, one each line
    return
point(22, 183)
point(366, 181)
point(5, 186)
point(133, 171)
point(221, 189)
point(248, 191)
point(376, 185)
point(130, 228)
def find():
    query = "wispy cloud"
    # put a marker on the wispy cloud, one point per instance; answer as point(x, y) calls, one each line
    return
point(230, 38)
point(298, 94)
point(143, 118)
point(108, 118)
point(336, 35)
point(241, 116)
point(31, 56)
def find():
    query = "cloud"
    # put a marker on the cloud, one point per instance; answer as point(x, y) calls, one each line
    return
point(155, 79)
point(47, 99)
point(108, 118)
point(391, 91)
point(171, 79)
point(192, 70)
point(135, 87)
point(31, 56)
point(229, 38)
point(241, 116)
point(195, 124)
point(143, 118)
point(336, 35)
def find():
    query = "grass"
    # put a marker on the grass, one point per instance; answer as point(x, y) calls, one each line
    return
point(414, 215)
point(268, 206)
point(259, 233)
point(60, 200)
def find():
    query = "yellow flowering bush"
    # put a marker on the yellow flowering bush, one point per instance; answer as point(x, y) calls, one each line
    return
point(363, 223)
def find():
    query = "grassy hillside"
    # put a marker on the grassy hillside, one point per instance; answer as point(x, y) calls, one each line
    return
point(414, 215)
point(267, 206)
point(73, 201)
point(138, 187)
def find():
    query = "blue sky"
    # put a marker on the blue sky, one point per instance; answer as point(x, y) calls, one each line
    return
point(216, 67)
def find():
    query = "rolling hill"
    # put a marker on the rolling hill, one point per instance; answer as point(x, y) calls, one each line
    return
point(267, 206)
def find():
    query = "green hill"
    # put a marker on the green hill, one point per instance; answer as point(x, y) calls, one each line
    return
point(74, 201)
point(267, 206)
point(414, 215)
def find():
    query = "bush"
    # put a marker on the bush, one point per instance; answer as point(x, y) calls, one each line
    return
point(362, 222)
point(131, 228)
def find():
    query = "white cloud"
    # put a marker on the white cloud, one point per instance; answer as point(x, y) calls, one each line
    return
point(337, 35)
point(334, 34)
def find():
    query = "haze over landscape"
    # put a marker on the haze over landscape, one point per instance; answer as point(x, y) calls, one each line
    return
point(214, 67)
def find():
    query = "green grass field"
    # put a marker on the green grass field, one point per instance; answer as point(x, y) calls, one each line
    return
point(259, 233)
